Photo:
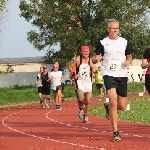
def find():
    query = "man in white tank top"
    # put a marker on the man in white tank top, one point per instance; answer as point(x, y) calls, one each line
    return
point(116, 55)
point(84, 72)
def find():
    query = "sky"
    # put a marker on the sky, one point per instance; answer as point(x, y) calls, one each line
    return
point(13, 38)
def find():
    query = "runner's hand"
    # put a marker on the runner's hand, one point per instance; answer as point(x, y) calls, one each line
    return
point(126, 63)
point(76, 76)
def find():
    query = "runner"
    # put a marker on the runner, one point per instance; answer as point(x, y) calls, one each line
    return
point(56, 78)
point(63, 81)
point(99, 82)
point(146, 65)
point(84, 72)
point(116, 57)
point(38, 83)
point(45, 76)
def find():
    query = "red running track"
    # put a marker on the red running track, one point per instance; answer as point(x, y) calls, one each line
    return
point(32, 128)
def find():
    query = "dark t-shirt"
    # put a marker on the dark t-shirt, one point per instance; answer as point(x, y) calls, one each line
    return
point(44, 79)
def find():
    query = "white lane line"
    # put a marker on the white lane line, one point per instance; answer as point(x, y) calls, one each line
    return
point(42, 138)
point(96, 130)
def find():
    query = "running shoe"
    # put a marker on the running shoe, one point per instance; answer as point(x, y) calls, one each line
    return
point(100, 99)
point(58, 107)
point(43, 106)
point(107, 111)
point(51, 104)
point(46, 106)
point(85, 119)
point(116, 137)
point(81, 113)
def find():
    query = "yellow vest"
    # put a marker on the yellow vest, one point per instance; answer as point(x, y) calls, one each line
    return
point(99, 77)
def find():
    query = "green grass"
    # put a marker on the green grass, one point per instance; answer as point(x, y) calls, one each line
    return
point(13, 96)
point(139, 107)
point(135, 87)
point(139, 111)
point(21, 94)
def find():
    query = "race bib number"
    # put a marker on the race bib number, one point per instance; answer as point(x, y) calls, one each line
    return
point(85, 72)
point(114, 65)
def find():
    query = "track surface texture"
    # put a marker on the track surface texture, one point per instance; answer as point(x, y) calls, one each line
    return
point(28, 127)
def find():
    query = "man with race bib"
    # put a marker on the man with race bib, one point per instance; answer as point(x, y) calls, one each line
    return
point(116, 55)
point(83, 76)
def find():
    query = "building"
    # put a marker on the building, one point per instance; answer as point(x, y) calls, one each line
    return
point(23, 64)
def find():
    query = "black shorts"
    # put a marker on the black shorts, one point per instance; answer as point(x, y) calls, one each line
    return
point(99, 86)
point(63, 86)
point(40, 89)
point(46, 90)
point(59, 87)
point(119, 83)
point(147, 82)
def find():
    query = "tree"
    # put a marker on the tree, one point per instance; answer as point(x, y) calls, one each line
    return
point(73, 23)
point(9, 69)
point(3, 5)
point(2, 8)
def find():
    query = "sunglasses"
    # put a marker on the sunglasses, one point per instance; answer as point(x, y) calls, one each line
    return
point(44, 68)
point(55, 67)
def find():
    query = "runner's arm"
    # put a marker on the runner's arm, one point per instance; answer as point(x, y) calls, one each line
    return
point(146, 56)
point(36, 81)
point(128, 60)
point(145, 64)
point(93, 67)
point(128, 56)
point(72, 64)
point(98, 53)
point(49, 77)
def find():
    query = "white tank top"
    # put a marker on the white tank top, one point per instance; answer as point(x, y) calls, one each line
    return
point(84, 81)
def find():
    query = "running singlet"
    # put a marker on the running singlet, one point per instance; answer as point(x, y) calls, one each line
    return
point(99, 77)
point(146, 55)
point(44, 78)
point(84, 81)
point(114, 54)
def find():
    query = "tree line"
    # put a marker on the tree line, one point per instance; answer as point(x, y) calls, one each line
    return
point(78, 22)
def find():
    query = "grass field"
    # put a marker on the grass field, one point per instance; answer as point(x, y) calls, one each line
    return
point(29, 93)
point(139, 111)
point(139, 107)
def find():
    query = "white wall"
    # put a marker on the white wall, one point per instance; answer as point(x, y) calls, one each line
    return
point(135, 73)
point(27, 78)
